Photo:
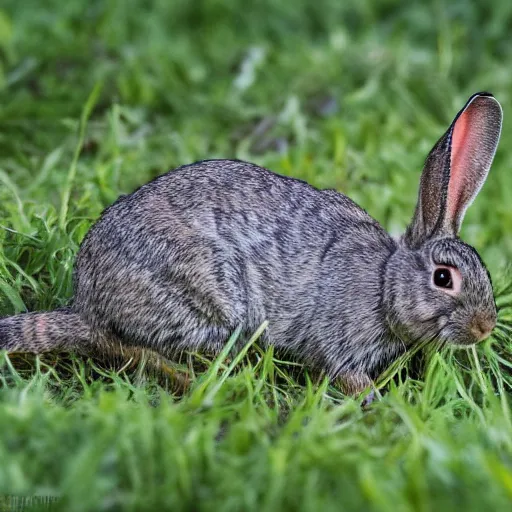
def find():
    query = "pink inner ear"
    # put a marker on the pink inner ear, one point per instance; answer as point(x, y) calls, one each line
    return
point(464, 142)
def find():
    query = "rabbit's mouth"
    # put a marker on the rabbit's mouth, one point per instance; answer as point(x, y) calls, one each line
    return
point(456, 336)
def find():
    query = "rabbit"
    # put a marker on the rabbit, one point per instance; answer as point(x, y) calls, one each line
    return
point(189, 257)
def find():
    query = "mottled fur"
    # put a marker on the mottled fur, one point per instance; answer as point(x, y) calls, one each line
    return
point(41, 332)
point(188, 257)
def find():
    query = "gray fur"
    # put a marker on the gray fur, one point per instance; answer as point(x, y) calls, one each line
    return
point(185, 259)
point(41, 332)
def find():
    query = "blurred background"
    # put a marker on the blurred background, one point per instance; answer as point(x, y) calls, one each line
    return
point(99, 97)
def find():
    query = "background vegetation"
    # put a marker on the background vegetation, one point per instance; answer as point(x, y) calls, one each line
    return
point(99, 97)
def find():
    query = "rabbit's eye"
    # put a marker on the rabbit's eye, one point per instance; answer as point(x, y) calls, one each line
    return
point(443, 278)
point(447, 279)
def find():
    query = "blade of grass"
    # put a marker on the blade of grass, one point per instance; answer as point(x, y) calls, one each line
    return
point(86, 112)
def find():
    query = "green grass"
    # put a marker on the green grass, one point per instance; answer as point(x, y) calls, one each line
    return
point(96, 98)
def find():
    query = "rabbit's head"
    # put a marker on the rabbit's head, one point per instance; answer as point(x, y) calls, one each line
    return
point(436, 286)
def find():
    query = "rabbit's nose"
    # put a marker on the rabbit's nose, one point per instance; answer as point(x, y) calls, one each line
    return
point(481, 327)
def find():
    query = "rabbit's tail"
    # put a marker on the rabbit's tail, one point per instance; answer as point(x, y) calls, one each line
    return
point(43, 332)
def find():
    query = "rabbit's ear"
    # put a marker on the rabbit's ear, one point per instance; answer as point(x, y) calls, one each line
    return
point(456, 169)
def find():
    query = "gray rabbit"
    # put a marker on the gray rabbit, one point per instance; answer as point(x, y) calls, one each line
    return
point(187, 258)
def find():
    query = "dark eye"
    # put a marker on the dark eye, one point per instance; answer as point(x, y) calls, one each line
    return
point(443, 278)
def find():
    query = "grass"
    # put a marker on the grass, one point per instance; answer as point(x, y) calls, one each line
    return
point(99, 97)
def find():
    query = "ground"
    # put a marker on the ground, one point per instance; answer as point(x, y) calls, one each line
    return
point(97, 98)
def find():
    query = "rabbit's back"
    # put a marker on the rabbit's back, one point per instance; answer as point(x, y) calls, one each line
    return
point(188, 257)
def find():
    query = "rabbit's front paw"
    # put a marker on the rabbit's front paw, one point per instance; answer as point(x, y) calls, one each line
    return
point(354, 383)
